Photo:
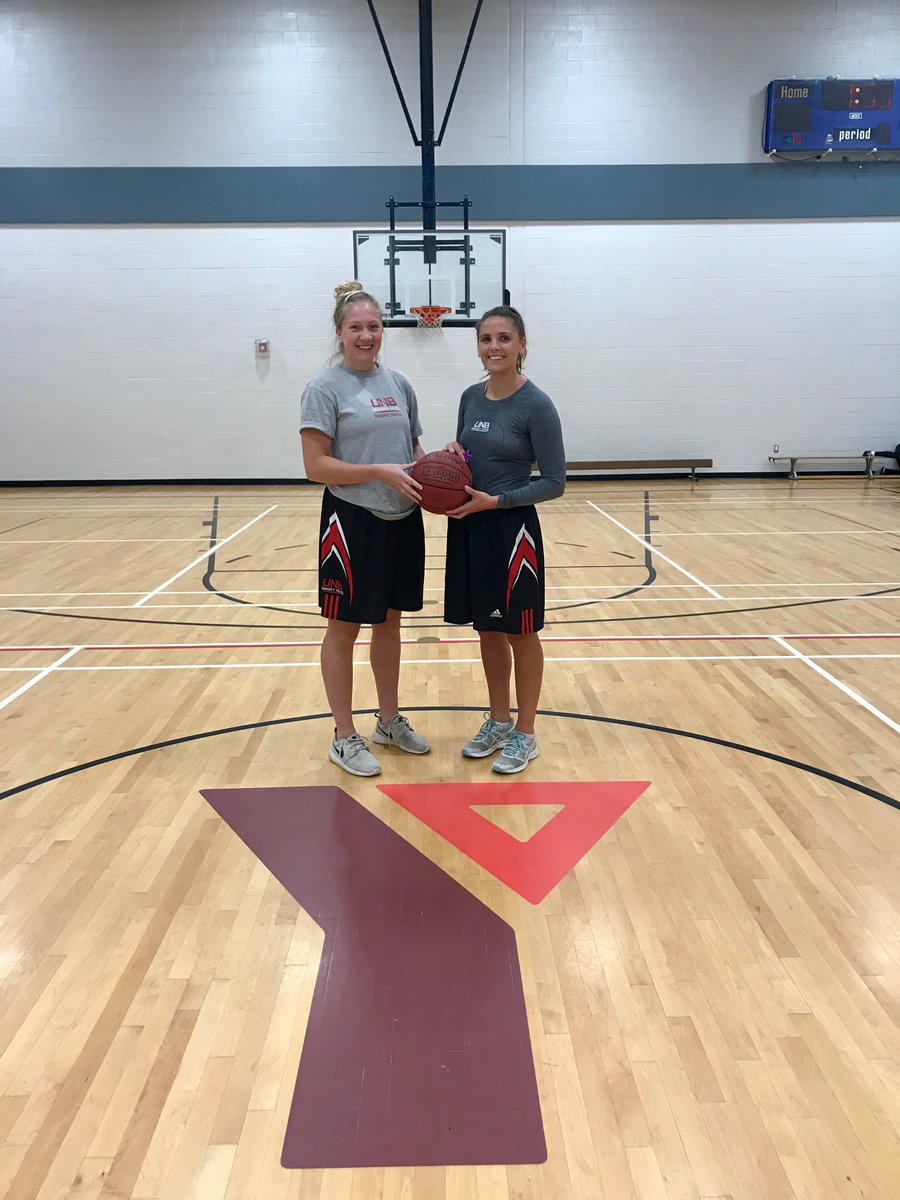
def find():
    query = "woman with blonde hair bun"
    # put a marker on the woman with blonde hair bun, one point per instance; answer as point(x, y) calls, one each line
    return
point(360, 430)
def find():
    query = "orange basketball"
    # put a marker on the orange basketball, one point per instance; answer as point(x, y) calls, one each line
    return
point(443, 477)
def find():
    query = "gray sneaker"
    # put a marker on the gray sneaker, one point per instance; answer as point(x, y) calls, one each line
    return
point(490, 737)
point(353, 755)
point(401, 734)
point(518, 752)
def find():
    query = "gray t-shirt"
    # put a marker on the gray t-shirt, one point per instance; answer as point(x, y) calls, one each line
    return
point(371, 417)
point(504, 437)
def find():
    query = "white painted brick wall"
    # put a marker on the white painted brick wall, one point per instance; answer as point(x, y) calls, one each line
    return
point(128, 352)
point(238, 82)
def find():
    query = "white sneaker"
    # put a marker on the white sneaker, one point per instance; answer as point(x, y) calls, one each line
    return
point(398, 732)
point(352, 753)
point(517, 753)
point(490, 737)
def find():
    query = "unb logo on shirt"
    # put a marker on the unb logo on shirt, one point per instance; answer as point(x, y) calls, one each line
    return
point(384, 406)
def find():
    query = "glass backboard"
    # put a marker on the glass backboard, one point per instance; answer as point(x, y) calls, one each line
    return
point(462, 269)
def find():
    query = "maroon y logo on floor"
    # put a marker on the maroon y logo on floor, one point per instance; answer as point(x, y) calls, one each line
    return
point(417, 1050)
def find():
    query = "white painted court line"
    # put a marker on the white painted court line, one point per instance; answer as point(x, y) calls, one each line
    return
point(138, 511)
point(301, 491)
point(89, 541)
point(201, 557)
point(40, 675)
point(444, 662)
point(774, 533)
point(658, 553)
point(568, 639)
point(837, 683)
point(777, 639)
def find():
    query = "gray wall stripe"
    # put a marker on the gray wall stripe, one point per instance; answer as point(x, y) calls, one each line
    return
point(186, 195)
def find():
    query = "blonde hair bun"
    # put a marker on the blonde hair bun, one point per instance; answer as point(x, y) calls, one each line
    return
point(348, 288)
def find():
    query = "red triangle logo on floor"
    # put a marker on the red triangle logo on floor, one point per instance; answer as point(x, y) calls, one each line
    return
point(532, 868)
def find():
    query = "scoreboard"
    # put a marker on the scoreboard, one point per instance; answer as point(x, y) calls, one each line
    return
point(842, 115)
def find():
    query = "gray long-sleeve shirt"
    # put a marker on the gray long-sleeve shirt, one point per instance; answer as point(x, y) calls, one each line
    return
point(504, 437)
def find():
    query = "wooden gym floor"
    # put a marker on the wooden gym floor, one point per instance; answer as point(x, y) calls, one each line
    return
point(711, 992)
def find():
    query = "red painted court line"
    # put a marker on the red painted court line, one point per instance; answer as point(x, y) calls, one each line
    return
point(709, 637)
point(169, 646)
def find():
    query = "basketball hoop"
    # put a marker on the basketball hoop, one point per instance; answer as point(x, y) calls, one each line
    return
point(430, 317)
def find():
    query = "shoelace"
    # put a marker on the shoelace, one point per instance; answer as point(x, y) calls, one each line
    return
point(400, 720)
point(485, 730)
point(515, 745)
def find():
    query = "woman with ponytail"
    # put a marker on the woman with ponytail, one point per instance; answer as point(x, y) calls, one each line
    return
point(495, 558)
point(360, 431)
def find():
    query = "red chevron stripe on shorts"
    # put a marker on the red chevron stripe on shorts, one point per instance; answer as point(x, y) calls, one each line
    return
point(523, 557)
point(334, 543)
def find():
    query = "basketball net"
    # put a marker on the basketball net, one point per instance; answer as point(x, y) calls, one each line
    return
point(430, 317)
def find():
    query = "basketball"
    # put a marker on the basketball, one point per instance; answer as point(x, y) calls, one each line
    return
point(443, 477)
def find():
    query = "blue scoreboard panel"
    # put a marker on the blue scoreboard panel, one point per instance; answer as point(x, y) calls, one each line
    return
point(832, 114)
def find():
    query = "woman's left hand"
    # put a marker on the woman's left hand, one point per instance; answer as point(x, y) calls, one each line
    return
point(477, 502)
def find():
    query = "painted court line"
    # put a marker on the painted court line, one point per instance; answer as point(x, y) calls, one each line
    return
point(212, 605)
point(837, 683)
point(624, 501)
point(875, 635)
point(201, 557)
point(443, 662)
point(559, 587)
point(40, 675)
point(89, 541)
point(654, 550)
point(775, 533)
point(778, 640)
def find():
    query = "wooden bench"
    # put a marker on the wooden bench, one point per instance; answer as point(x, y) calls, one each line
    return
point(640, 464)
point(867, 456)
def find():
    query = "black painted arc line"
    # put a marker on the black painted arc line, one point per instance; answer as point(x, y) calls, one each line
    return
point(207, 582)
point(211, 569)
point(709, 612)
point(587, 621)
point(41, 612)
point(648, 565)
point(24, 525)
point(685, 733)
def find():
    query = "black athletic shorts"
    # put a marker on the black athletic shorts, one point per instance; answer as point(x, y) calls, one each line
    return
point(367, 565)
point(494, 578)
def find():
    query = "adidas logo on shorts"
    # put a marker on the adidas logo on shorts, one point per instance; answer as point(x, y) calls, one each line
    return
point(496, 613)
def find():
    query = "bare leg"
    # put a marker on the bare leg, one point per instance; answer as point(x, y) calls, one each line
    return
point(337, 673)
point(529, 659)
point(384, 655)
point(496, 659)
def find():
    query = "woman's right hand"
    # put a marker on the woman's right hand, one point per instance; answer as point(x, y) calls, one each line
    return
point(396, 476)
point(456, 448)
